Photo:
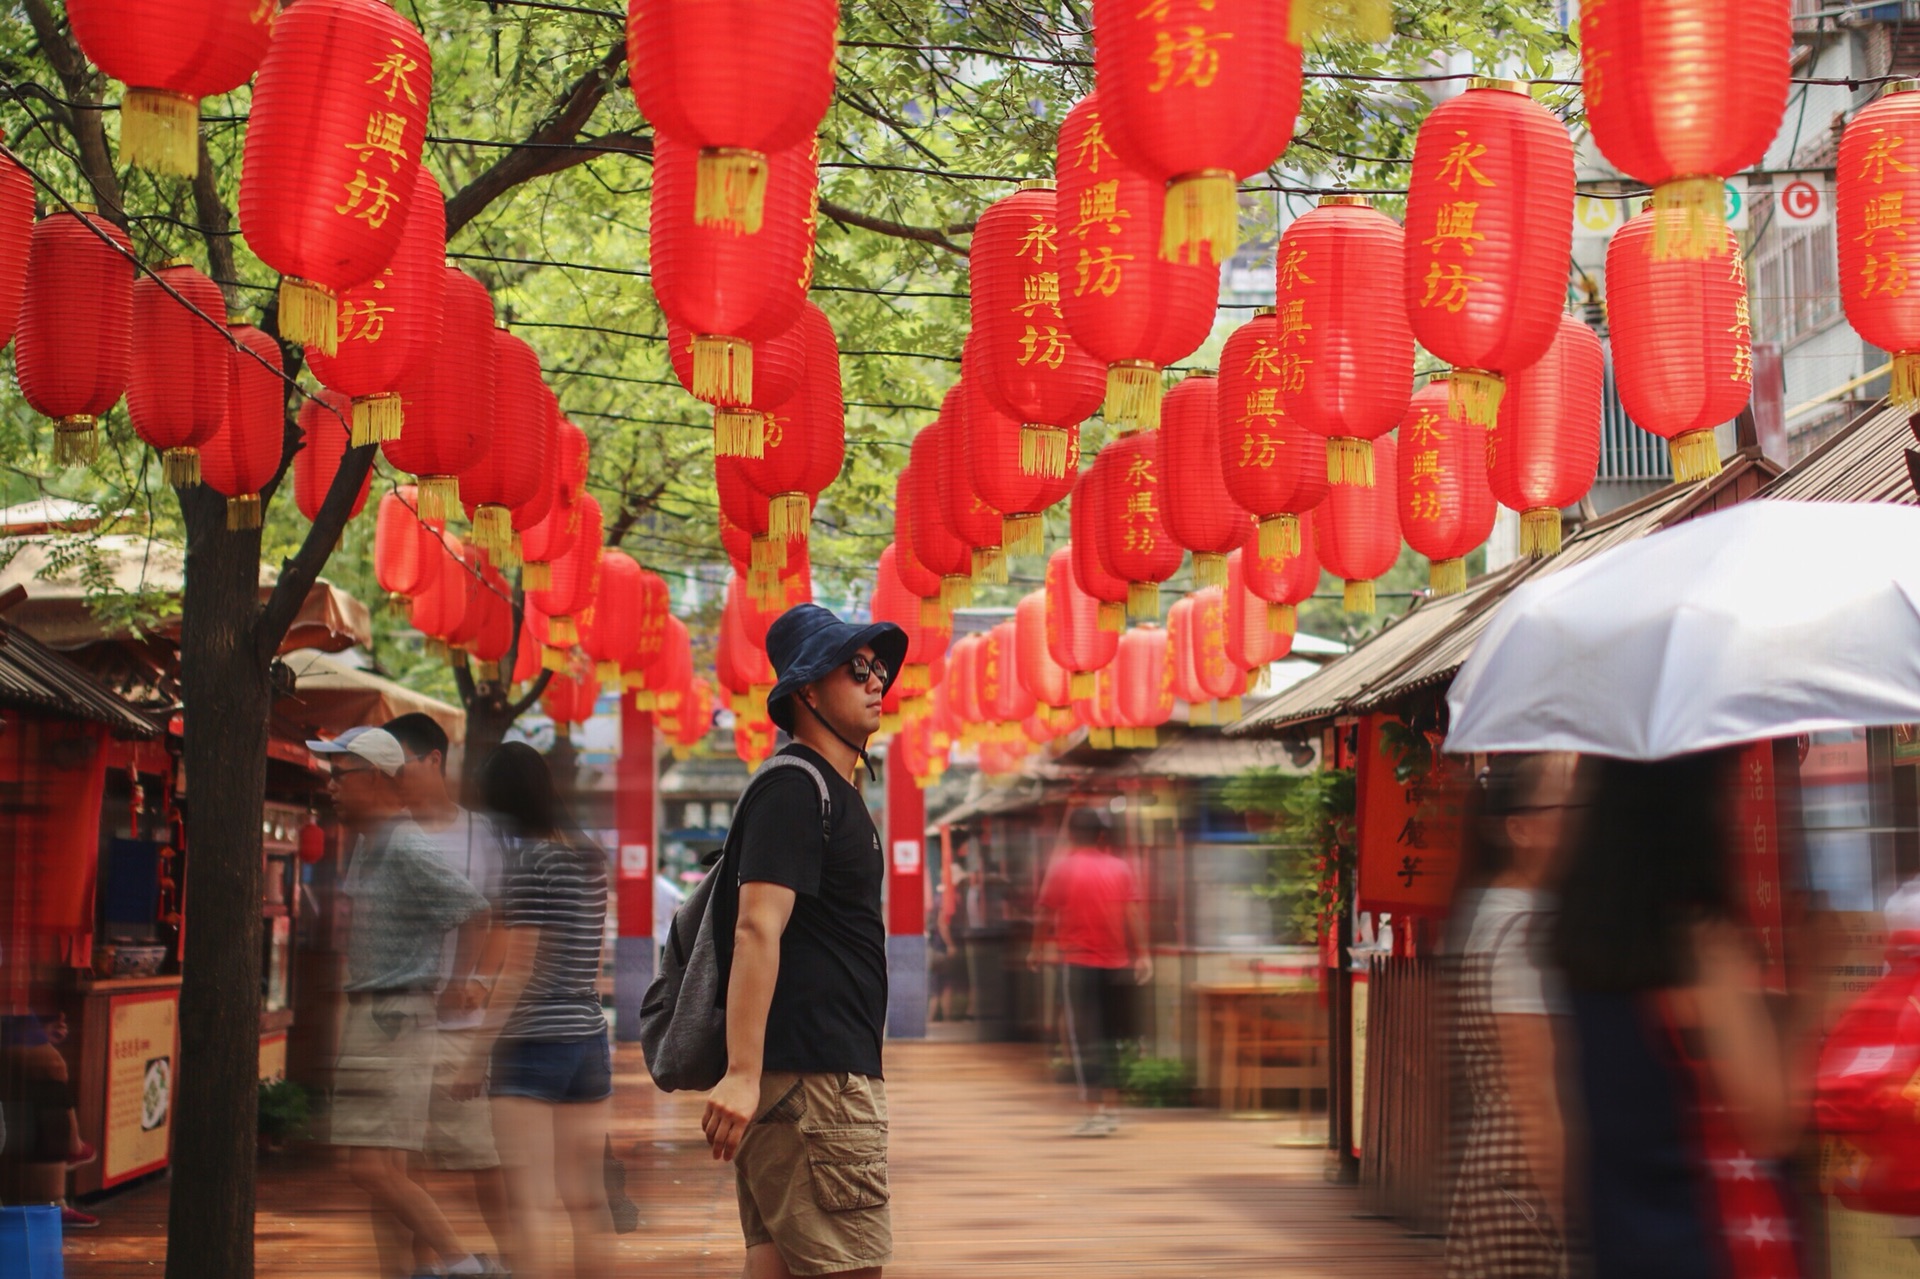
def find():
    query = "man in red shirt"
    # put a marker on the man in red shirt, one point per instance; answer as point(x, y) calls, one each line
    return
point(1089, 915)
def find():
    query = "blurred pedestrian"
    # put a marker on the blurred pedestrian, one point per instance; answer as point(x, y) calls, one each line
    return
point(1089, 921)
point(552, 1067)
point(459, 1124)
point(803, 1107)
point(404, 902)
point(40, 1139)
point(1507, 1215)
point(1692, 1094)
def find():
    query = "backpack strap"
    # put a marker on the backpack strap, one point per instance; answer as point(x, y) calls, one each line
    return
point(819, 782)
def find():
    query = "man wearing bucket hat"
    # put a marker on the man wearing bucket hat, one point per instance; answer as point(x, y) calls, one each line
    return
point(803, 1108)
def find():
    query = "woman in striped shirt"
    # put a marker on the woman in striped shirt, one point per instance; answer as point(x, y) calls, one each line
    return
point(552, 1070)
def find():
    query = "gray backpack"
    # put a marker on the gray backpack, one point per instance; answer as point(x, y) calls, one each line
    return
point(683, 1019)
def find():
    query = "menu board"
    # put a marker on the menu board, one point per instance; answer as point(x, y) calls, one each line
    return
point(142, 1047)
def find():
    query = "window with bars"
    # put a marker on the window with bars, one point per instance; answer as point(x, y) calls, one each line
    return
point(1795, 283)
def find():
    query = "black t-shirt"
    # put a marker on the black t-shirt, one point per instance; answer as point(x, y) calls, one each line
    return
point(830, 1003)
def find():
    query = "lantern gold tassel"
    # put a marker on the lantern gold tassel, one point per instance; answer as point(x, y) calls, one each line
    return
point(537, 576)
point(1226, 710)
point(398, 605)
point(1144, 739)
point(1202, 208)
point(1043, 451)
point(1101, 739)
point(1209, 569)
point(1113, 616)
point(76, 442)
point(1080, 685)
point(1200, 714)
point(1279, 537)
point(1689, 219)
point(955, 592)
point(1540, 532)
point(889, 723)
point(1475, 395)
point(435, 649)
point(1133, 395)
point(606, 672)
point(1023, 534)
point(492, 528)
point(1143, 601)
point(788, 516)
point(1350, 461)
point(644, 700)
point(1358, 597)
point(915, 677)
point(1696, 456)
point(437, 495)
point(563, 632)
point(739, 433)
point(160, 132)
point(767, 555)
point(486, 672)
point(1905, 391)
point(180, 467)
point(243, 512)
point(376, 420)
point(1368, 20)
point(509, 556)
point(722, 370)
point(730, 188)
point(554, 659)
point(309, 314)
point(990, 565)
point(1281, 619)
point(933, 613)
point(1447, 577)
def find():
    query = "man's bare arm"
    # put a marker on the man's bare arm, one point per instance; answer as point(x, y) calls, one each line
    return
point(764, 911)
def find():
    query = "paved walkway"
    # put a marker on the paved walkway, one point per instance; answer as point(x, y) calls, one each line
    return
point(986, 1183)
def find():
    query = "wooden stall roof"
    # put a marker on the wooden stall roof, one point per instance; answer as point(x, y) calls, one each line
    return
point(34, 676)
point(1865, 462)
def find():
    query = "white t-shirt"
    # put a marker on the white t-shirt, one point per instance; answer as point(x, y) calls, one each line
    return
point(471, 846)
point(1511, 924)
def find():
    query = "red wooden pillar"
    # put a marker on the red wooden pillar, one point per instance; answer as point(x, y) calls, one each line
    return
point(906, 901)
point(635, 806)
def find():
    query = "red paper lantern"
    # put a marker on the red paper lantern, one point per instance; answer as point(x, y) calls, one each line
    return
point(1184, 663)
point(473, 616)
point(610, 629)
point(450, 399)
point(1258, 634)
point(729, 287)
point(1545, 451)
point(74, 342)
point(894, 601)
point(1027, 362)
point(313, 842)
point(1143, 684)
point(437, 608)
point(1219, 678)
point(1274, 467)
point(1198, 94)
point(406, 550)
point(570, 697)
point(779, 364)
point(967, 517)
point(1075, 638)
point(1099, 710)
point(338, 118)
point(171, 54)
point(323, 431)
point(934, 544)
point(576, 457)
point(745, 506)
point(1681, 93)
point(656, 604)
point(1048, 682)
point(1125, 304)
point(1358, 532)
point(739, 80)
point(1284, 582)
point(919, 580)
point(662, 684)
point(1489, 234)
point(1876, 176)
point(493, 632)
point(244, 454)
point(990, 441)
point(1089, 569)
point(1130, 484)
point(1005, 699)
point(1446, 508)
point(573, 577)
point(16, 240)
point(527, 654)
point(388, 325)
point(513, 467)
point(1201, 514)
point(1343, 362)
point(545, 542)
point(177, 382)
point(803, 444)
point(1682, 342)
point(963, 672)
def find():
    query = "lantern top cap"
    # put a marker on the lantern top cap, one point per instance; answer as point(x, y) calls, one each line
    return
point(1345, 201)
point(1439, 375)
point(1502, 83)
point(1038, 184)
point(1901, 86)
point(83, 207)
point(173, 263)
point(1265, 312)
point(1203, 373)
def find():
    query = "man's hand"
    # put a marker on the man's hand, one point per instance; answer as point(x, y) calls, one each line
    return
point(1143, 970)
point(471, 1082)
point(729, 1111)
point(462, 996)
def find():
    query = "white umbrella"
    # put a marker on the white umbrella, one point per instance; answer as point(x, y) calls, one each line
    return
point(1767, 620)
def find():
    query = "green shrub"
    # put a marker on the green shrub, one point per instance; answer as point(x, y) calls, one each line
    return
point(1157, 1082)
point(285, 1109)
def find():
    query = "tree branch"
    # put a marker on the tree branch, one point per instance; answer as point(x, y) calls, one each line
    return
point(216, 228)
point(562, 125)
point(898, 230)
point(89, 130)
point(525, 704)
point(298, 573)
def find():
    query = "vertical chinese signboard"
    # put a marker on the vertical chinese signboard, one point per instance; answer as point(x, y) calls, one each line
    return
point(1757, 859)
point(142, 1036)
point(1409, 831)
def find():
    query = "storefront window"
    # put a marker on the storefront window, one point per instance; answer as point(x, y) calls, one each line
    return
point(1836, 811)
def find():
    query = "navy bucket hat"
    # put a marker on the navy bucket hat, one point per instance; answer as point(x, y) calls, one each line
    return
point(807, 643)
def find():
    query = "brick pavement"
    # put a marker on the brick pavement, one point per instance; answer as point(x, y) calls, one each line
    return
point(986, 1183)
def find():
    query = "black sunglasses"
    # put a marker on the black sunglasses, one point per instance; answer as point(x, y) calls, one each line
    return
point(866, 668)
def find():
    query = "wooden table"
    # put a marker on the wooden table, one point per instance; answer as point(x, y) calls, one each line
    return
point(1243, 1024)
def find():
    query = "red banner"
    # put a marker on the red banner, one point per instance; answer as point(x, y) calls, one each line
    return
point(1409, 831)
point(1757, 858)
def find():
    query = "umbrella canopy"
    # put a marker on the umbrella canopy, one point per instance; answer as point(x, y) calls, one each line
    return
point(1768, 620)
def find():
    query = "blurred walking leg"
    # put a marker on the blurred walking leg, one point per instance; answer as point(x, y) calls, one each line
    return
point(580, 1131)
point(525, 1129)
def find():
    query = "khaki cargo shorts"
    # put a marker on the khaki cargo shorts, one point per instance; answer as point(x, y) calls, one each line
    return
point(811, 1173)
point(459, 1133)
point(383, 1080)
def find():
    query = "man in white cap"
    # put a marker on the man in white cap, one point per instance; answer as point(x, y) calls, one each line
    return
point(404, 901)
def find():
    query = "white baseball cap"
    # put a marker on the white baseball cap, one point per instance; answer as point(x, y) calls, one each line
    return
point(376, 746)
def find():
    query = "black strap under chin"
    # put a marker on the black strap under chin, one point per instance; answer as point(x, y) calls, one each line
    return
point(861, 751)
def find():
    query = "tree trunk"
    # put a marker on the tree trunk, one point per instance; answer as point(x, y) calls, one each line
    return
point(225, 683)
point(489, 716)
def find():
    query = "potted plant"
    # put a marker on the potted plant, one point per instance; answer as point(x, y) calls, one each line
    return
point(285, 1110)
